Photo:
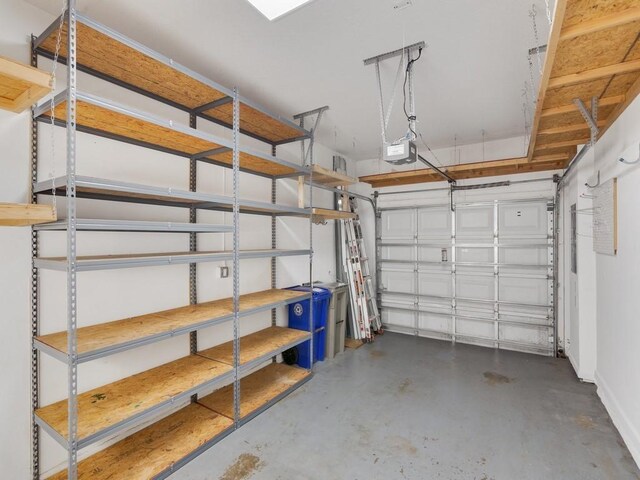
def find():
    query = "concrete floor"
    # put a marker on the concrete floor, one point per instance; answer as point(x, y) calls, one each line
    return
point(413, 408)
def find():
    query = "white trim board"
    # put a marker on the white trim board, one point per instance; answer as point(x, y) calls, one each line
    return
point(628, 431)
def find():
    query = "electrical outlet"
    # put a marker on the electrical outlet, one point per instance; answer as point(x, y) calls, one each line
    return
point(224, 272)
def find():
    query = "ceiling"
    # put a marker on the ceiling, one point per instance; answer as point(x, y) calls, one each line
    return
point(470, 77)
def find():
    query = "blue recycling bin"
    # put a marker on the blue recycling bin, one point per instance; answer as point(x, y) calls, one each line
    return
point(299, 319)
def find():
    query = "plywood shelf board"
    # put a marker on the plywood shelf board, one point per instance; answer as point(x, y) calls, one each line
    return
point(166, 323)
point(256, 345)
point(156, 448)
point(465, 171)
point(99, 120)
point(21, 85)
point(256, 390)
point(107, 406)
point(324, 176)
point(101, 51)
point(23, 214)
point(323, 214)
point(594, 52)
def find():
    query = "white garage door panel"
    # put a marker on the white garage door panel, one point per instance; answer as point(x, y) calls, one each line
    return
point(438, 284)
point(472, 286)
point(398, 253)
point(399, 318)
point(435, 323)
point(475, 328)
point(524, 256)
point(474, 223)
point(530, 291)
point(523, 220)
point(432, 254)
point(434, 224)
point(482, 255)
point(399, 281)
point(495, 287)
point(398, 224)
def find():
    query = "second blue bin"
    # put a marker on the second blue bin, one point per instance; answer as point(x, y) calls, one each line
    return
point(299, 319)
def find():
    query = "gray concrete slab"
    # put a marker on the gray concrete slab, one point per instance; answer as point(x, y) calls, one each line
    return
point(415, 409)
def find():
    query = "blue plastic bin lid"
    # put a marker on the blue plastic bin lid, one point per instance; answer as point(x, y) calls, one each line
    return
point(318, 292)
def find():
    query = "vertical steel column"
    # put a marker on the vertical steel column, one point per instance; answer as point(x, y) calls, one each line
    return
point(236, 258)
point(378, 254)
point(193, 246)
point(454, 303)
point(35, 312)
point(274, 240)
point(416, 273)
point(274, 243)
point(304, 157)
point(496, 277)
point(555, 271)
point(72, 324)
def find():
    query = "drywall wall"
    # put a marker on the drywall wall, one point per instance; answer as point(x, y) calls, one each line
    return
point(113, 294)
point(617, 302)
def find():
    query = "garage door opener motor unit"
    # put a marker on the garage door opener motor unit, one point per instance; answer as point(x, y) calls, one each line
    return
point(402, 151)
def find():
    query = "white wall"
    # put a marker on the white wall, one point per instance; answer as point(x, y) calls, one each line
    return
point(612, 352)
point(110, 295)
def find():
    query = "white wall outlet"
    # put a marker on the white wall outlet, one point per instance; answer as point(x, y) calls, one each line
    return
point(224, 272)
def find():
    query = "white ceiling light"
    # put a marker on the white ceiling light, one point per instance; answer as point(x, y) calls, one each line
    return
point(273, 9)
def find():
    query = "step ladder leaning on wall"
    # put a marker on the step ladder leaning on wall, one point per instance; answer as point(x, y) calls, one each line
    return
point(365, 318)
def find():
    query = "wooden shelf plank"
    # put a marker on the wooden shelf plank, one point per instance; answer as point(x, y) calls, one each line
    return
point(508, 166)
point(256, 345)
point(156, 448)
point(99, 120)
point(22, 214)
point(21, 85)
point(104, 407)
point(323, 215)
point(113, 57)
point(163, 324)
point(256, 390)
point(324, 176)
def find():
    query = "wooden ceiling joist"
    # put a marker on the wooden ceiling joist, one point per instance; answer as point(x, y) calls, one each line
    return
point(593, 50)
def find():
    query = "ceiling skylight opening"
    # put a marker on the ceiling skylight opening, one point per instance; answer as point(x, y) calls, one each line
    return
point(274, 9)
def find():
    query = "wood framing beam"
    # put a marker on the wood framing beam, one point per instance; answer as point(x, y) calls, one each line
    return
point(569, 128)
point(493, 168)
point(552, 49)
point(595, 74)
point(603, 102)
point(631, 95)
point(567, 143)
point(602, 23)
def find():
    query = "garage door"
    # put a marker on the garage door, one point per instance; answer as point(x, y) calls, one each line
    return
point(479, 273)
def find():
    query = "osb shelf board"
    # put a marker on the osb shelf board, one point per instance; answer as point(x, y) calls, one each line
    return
point(323, 215)
point(471, 170)
point(154, 449)
point(21, 85)
point(109, 57)
point(593, 51)
point(110, 404)
point(256, 345)
point(100, 120)
point(353, 343)
point(324, 176)
point(256, 390)
point(22, 214)
point(129, 330)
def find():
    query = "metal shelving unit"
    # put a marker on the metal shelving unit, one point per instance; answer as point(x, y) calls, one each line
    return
point(78, 421)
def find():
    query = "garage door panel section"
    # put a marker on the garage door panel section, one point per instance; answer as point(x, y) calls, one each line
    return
point(480, 273)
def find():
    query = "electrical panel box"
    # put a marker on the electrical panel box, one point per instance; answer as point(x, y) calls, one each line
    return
point(400, 153)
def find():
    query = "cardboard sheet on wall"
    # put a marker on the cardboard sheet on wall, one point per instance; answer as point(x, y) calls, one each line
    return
point(605, 218)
